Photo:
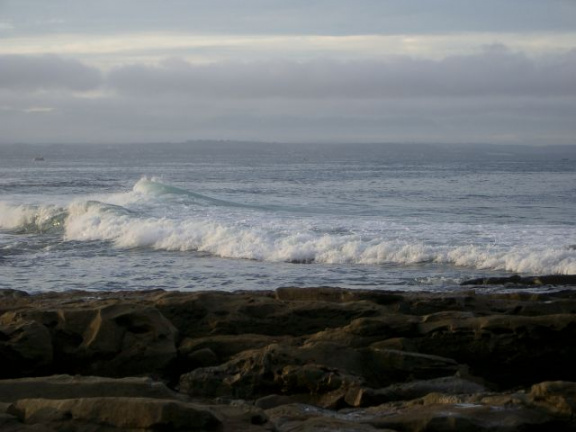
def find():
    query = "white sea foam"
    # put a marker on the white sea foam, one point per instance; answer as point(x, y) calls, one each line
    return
point(289, 241)
point(30, 217)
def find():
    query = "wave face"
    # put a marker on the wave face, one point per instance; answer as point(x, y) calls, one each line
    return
point(31, 219)
point(156, 216)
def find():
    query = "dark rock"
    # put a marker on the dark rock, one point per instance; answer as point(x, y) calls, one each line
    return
point(409, 361)
point(272, 401)
point(313, 369)
point(76, 387)
point(385, 367)
point(558, 397)
point(201, 358)
point(556, 280)
point(226, 346)
point(127, 340)
point(464, 418)
point(25, 346)
point(304, 418)
point(509, 350)
point(337, 295)
point(12, 293)
point(120, 413)
point(453, 385)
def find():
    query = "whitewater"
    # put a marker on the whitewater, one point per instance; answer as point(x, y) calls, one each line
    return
point(237, 216)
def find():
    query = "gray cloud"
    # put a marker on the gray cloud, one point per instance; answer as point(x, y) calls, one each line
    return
point(126, 118)
point(47, 72)
point(495, 96)
point(494, 72)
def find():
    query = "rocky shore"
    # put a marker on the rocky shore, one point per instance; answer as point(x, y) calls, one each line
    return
point(288, 360)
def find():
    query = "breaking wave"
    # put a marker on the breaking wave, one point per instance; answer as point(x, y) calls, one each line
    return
point(26, 219)
point(269, 237)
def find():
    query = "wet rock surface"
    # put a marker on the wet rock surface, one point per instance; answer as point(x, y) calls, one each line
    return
point(314, 359)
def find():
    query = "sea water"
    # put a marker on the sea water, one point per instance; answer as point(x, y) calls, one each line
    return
point(236, 216)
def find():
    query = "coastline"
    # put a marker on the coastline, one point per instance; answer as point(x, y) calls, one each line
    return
point(290, 359)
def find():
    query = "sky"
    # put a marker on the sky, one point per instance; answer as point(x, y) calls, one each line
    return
point(128, 71)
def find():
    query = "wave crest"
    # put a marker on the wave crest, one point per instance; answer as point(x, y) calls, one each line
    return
point(286, 245)
point(27, 219)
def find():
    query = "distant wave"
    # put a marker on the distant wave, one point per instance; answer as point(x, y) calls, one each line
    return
point(153, 188)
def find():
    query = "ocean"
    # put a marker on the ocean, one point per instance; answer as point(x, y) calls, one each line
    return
point(254, 216)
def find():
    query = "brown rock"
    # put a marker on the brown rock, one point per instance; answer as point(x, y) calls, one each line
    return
point(558, 397)
point(505, 349)
point(365, 331)
point(336, 295)
point(302, 417)
point(384, 366)
point(463, 418)
point(529, 281)
point(326, 424)
point(201, 358)
point(121, 413)
point(226, 346)
point(315, 368)
point(272, 401)
point(72, 387)
point(127, 340)
point(361, 397)
point(25, 346)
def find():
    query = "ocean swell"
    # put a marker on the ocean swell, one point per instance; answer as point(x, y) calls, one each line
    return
point(144, 218)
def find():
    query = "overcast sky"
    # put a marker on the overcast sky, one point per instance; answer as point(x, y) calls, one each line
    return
point(456, 71)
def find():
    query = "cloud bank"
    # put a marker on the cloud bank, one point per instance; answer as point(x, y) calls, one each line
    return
point(496, 95)
point(31, 73)
point(495, 72)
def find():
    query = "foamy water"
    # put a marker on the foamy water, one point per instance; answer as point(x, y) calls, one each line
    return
point(212, 221)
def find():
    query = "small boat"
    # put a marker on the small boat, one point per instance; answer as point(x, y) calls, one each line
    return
point(38, 159)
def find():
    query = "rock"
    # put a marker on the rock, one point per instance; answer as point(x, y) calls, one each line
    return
point(389, 366)
point(336, 295)
point(127, 340)
point(304, 418)
point(362, 332)
point(12, 293)
point(242, 417)
point(225, 346)
point(25, 346)
point(398, 344)
point(201, 358)
point(463, 418)
point(361, 397)
point(558, 398)
point(314, 369)
point(72, 387)
point(319, 359)
point(272, 401)
point(214, 313)
point(326, 424)
point(567, 280)
point(509, 350)
point(121, 413)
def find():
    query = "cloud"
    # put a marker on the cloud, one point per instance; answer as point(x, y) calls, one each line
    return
point(113, 49)
point(496, 71)
point(46, 72)
point(497, 95)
